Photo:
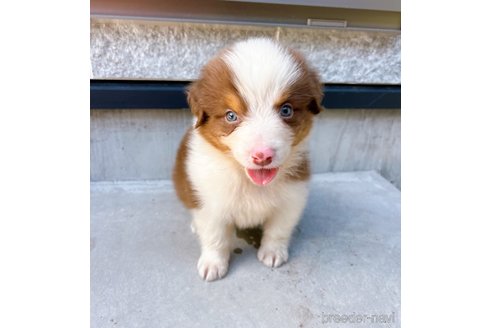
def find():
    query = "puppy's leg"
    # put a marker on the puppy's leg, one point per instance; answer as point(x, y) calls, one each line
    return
point(277, 231)
point(215, 238)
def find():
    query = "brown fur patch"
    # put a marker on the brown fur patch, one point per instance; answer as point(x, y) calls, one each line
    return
point(182, 183)
point(301, 172)
point(305, 97)
point(210, 97)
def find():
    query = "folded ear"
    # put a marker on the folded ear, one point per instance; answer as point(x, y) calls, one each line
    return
point(314, 106)
point(316, 92)
point(193, 96)
point(314, 88)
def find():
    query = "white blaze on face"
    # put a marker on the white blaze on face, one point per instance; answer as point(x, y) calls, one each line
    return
point(262, 72)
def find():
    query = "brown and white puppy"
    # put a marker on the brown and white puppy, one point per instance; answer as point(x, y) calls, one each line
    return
point(245, 162)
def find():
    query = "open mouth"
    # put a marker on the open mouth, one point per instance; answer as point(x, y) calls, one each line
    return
point(262, 177)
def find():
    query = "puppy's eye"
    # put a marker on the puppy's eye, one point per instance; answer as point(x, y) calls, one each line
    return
point(286, 110)
point(231, 116)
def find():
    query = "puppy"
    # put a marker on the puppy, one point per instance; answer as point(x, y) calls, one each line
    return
point(245, 162)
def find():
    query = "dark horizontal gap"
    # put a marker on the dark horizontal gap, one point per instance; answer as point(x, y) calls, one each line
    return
point(124, 94)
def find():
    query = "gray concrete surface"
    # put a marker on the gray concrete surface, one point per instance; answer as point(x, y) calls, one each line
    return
point(141, 144)
point(142, 49)
point(344, 260)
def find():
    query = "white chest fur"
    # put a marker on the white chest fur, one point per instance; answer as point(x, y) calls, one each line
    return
point(224, 189)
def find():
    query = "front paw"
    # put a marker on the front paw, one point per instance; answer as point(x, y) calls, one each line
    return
point(212, 266)
point(273, 256)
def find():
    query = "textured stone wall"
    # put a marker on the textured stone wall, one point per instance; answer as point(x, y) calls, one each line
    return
point(129, 49)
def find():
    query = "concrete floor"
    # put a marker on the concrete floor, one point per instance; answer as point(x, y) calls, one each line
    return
point(343, 270)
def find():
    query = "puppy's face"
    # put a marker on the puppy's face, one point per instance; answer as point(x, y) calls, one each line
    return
point(255, 101)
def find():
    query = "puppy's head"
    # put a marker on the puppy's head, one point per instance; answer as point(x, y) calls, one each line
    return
point(255, 101)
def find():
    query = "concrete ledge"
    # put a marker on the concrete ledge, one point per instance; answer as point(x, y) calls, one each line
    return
point(345, 259)
point(139, 49)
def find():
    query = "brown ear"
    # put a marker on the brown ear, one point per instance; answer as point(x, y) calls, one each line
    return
point(193, 96)
point(311, 77)
point(317, 93)
point(314, 106)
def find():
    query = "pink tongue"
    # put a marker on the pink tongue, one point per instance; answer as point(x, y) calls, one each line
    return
point(262, 176)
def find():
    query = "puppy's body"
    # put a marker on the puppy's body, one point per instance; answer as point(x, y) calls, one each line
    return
point(250, 167)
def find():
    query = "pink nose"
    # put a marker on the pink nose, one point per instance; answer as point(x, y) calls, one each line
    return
point(262, 156)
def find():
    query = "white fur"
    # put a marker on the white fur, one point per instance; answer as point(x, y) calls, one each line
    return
point(228, 198)
point(262, 72)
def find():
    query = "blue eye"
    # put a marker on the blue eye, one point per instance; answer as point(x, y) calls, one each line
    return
point(231, 116)
point(286, 110)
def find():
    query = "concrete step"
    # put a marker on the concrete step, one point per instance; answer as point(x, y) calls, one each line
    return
point(344, 260)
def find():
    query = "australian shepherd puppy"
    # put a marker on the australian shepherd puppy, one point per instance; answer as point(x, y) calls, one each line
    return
point(245, 162)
